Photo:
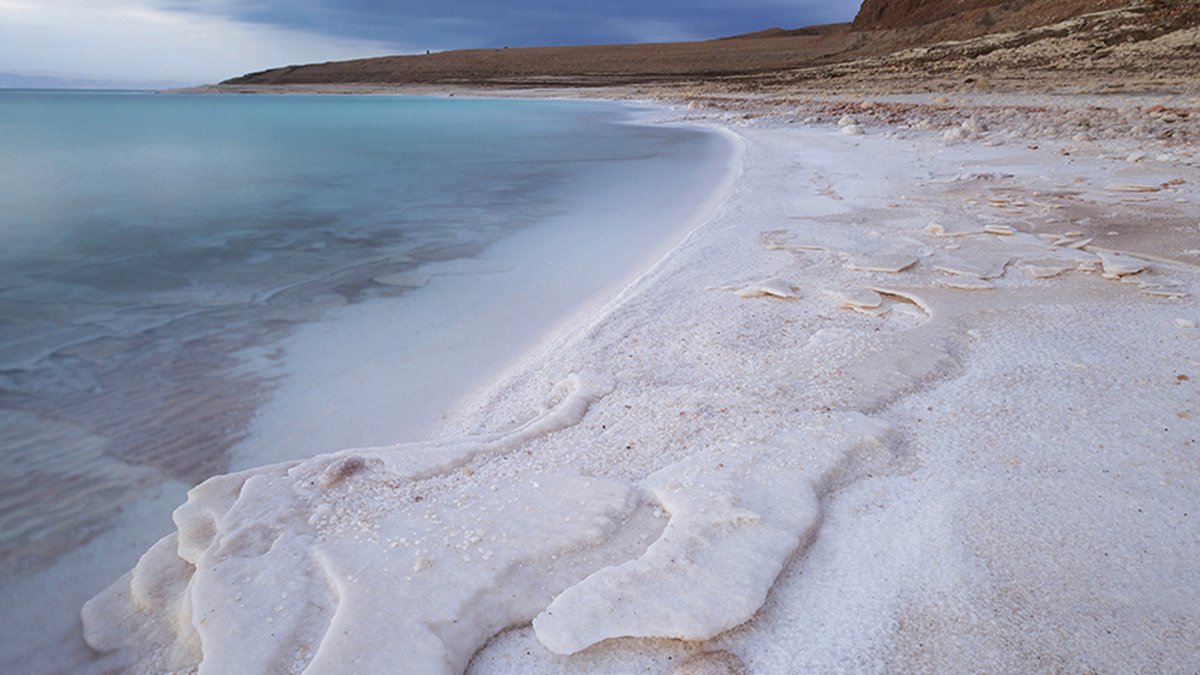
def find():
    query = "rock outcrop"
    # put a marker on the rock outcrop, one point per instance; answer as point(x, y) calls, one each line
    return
point(962, 19)
point(883, 14)
point(893, 46)
point(1030, 45)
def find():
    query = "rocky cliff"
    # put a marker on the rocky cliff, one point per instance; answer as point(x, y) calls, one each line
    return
point(882, 14)
point(978, 16)
point(1102, 46)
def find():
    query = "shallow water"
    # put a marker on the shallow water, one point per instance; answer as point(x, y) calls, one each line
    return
point(158, 249)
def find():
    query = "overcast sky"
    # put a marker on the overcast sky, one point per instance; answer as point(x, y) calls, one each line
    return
point(197, 41)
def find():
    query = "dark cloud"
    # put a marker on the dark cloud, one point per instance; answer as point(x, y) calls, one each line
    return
point(445, 24)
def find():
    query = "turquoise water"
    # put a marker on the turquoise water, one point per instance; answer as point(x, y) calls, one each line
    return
point(151, 243)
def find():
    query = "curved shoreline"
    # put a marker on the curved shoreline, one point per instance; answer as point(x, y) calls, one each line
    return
point(884, 381)
point(327, 340)
point(428, 349)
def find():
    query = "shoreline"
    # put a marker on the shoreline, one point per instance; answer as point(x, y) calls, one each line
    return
point(954, 551)
point(377, 399)
point(940, 314)
point(547, 266)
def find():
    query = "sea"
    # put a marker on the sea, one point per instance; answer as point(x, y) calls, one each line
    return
point(192, 284)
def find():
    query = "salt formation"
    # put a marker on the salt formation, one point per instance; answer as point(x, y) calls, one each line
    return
point(1000, 230)
point(1071, 242)
point(862, 300)
point(1046, 269)
point(940, 230)
point(1131, 187)
point(772, 288)
point(363, 559)
point(1116, 265)
point(736, 518)
point(891, 264)
point(966, 284)
point(981, 266)
point(360, 560)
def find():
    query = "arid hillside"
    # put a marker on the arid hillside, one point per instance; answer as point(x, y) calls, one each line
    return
point(1153, 45)
point(893, 45)
point(881, 14)
point(985, 14)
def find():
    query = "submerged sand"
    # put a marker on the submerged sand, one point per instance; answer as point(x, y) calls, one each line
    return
point(917, 397)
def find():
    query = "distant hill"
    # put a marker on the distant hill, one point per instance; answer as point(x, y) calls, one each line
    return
point(569, 66)
point(892, 45)
point(820, 29)
point(25, 81)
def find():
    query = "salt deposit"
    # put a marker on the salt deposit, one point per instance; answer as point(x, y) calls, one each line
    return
point(981, 266)
point(736, 518)
point(889, 263)
point(966, 284)
point(773, 288)
point(1046, 269)
point(965, 482)
point(1131, 187)
point(1116, 265)
point(859, 298)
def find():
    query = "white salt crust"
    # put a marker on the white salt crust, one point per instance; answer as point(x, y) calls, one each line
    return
point(941, 480)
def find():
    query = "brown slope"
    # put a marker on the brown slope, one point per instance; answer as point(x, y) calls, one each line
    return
point(929, 22)
point(1150, 45)
point(1008, 42)
point(608, 64)
point(885, 14)
point(819, 29)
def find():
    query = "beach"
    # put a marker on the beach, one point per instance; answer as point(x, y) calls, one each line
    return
point(187, 291)
point(918, 396)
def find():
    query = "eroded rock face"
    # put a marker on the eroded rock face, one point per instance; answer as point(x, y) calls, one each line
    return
point(880, 14)
point(886, 14)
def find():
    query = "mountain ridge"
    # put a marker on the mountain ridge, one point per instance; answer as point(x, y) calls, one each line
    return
point(893, 45)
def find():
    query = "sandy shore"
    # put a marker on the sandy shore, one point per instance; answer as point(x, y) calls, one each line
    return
point(921, 396)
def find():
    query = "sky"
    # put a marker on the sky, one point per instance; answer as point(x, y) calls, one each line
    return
point(179, 42)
